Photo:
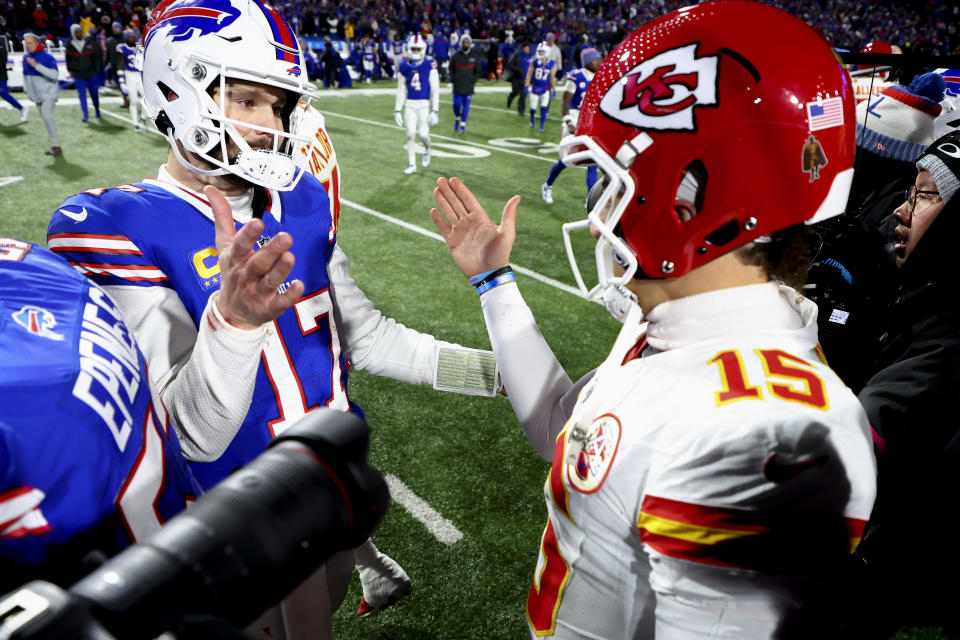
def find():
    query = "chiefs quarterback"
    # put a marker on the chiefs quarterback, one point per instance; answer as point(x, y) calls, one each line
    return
point(712, 475)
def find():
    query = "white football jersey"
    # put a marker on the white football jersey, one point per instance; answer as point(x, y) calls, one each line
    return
point(705, 490)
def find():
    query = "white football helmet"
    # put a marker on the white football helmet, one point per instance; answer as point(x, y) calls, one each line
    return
point(543, 52)
point(192, 47)
point(416, 48)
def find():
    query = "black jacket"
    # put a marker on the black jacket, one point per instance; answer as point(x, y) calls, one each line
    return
point(86, 63)
point(464, 70)
point(911, 398)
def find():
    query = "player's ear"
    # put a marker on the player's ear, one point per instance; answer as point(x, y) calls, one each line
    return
point(684, 209)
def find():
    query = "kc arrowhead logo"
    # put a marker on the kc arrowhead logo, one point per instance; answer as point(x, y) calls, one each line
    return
point(662, 92)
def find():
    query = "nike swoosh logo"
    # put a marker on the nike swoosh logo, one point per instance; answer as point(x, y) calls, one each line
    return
point(73, 215)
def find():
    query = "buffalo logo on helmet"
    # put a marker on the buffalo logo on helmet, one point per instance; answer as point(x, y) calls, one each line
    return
point(37, 321)
point(186, 19)
point(662, 92)
point(294, 71)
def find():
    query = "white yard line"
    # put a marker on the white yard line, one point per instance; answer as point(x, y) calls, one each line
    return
point(530, 273)
point(441, 528)
point(390, 125)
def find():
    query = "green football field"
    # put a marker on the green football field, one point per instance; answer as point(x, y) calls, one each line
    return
point(468, 510)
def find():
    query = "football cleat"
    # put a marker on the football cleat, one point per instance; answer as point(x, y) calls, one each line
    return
point(463, 127)
point(546, 191)
point(426, 159)
point(383, 584)
point(25, 113)
point(410, 169)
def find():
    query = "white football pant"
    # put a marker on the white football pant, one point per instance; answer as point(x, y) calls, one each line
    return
point(134, 86)
point(416, 114)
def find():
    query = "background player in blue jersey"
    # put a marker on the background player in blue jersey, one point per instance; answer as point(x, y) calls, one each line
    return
point(242, 339)
point(418, 99)
point(368, 57)
point(541, 82)
point(88, 460)
point(129, 75)
point(575, 85)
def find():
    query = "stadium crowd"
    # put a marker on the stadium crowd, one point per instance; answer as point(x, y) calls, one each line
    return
point(929, 26)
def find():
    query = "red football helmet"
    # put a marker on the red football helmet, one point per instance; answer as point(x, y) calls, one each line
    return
point(877, 46)
point(737, 107)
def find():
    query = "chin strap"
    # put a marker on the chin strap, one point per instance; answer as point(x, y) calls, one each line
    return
point(189, 165)
point(619, 302)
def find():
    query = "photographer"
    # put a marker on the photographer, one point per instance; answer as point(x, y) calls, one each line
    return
point(911, 392)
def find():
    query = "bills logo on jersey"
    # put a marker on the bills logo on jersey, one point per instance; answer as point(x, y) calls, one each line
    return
point(37, 321)
point(185, 20)
point(598, 448)
point(663, 92)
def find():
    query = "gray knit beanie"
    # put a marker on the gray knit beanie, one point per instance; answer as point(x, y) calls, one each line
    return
point(942, 160)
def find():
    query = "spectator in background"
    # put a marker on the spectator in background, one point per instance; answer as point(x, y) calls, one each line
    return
point(83, 63)
point(517, 68)
point(464, 71)
point(892, 130)
point(40, 83)
point(40, 18)
point(112, 66)
point(331, 64)
point(4, 91)
point(914, 389)
point(554, 53)
point(442, 50)
point(493, 59)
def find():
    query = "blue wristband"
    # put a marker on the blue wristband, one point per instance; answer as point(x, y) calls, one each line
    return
point(480, 277)
point(504, 278)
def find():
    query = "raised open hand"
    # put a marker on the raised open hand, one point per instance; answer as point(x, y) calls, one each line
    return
point(475, 242)
point(250, 280)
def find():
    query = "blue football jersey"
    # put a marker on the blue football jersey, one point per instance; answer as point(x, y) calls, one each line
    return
point(417, 78)
point(370, 52)
point(540, 82)
point(129, 56)
point(155, 234)
point(87, 456)
point(580, 83)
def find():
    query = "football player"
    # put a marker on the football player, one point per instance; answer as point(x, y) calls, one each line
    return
point(88, 461)
point(575, 85)
point(368, 57)
point(241, 339)
point(713, 474)
point(129, 75)
point(418, 99)
point(541, 82)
